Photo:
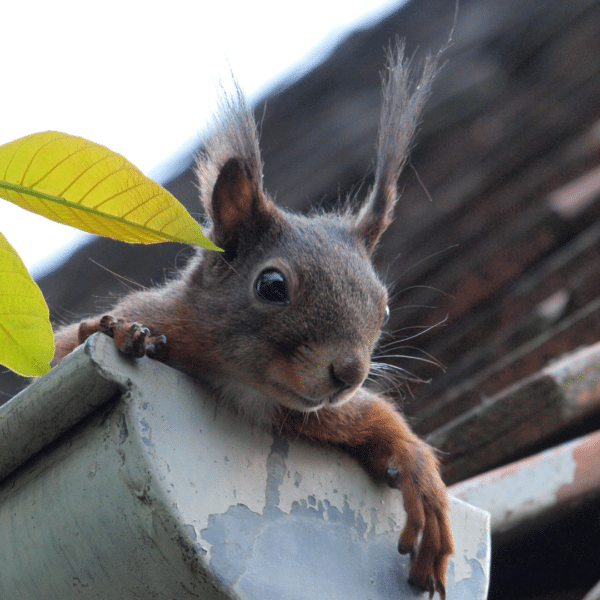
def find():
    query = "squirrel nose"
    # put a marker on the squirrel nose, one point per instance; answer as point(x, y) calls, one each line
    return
point(346, 373)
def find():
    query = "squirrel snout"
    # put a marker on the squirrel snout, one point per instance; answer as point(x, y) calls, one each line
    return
point(347, 373)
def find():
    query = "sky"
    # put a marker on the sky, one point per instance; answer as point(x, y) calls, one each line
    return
point(140, 78)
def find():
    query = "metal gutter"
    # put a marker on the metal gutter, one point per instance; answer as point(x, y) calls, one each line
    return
point(138, 486)
point(52, 405)
point(539, 487)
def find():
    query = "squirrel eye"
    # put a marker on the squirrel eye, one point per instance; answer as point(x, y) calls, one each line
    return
point(270, 286)
point(386, 316)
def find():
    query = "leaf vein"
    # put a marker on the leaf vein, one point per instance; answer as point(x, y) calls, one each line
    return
point(23, 142)
point(37, 151)
point(80, 175)
point(120, 193)
point(59, 163)
point(100, 181)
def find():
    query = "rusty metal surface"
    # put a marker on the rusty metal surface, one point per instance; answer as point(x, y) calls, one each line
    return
point(538, 487)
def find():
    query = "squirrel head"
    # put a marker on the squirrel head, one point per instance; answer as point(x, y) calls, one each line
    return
point(293, 305)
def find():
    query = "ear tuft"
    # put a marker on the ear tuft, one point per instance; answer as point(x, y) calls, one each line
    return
point(233, 134)
point(403, 101)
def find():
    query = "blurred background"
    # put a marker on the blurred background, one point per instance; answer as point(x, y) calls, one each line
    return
point(494, 255)
point(140, 78)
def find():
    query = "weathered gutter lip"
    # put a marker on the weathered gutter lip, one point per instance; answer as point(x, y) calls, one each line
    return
point(543, 486)
point(53, 404)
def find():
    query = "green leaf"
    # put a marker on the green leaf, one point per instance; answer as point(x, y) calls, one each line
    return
point(74, 181)
point(26, 340)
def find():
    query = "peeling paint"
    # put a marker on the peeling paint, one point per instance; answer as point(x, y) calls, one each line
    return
point(146, 433)
point(330, 485)
point(585, 453)
point(307, 510)
point(469, 534)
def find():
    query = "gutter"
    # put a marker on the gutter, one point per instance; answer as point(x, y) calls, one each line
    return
point(122, 479)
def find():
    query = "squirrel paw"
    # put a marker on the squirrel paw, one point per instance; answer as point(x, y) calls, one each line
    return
point(426, 505)
point(130, 338)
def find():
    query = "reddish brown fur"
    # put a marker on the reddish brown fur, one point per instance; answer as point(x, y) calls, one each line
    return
point(297, 365)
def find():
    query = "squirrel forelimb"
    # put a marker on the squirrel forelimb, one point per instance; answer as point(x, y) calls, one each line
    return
point(370, 429)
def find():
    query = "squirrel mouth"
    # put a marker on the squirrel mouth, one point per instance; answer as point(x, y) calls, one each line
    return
point(289, 397)
point(298, 402)
point(311, 405)
point(307, 404)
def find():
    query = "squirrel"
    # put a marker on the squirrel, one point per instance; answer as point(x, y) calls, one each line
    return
point(281, 325)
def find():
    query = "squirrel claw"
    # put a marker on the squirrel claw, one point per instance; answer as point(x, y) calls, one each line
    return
point(107, 325)
point(392, 478)
point(427, 536)
point(132, 340)
point(428, 585)
point(408, 549)
point(157, 347)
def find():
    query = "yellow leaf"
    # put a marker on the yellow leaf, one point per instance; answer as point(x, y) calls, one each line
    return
point(74, 181)
point(26, 340)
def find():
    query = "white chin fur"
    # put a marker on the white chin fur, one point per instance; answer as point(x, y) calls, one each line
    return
point(253, 405)
point(248, 402)
point(258, 408)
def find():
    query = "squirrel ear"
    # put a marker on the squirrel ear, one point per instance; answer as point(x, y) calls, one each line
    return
point(375, 216)
point(237, 201)
point(404, 94)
